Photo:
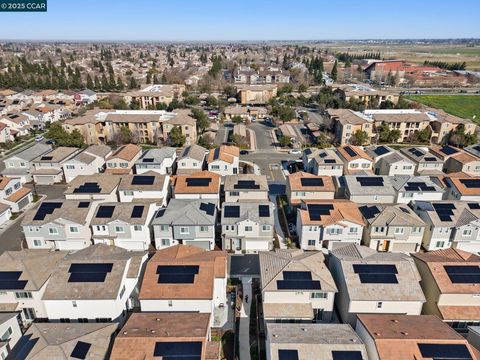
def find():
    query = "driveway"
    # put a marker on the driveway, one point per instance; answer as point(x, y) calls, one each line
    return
point(244, 329)
point(269, 163)
point(263, 135)
point(244, 265)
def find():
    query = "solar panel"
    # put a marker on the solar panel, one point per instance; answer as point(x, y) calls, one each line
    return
point(216, 153)
point(346, 355)
point(297, 275)
point(177, 274)
point(87, 277)
point(198, 181)
point(147, 160)
point(329, 161)
point(471, 183)
point(137, 211)
point(430, 158)
point(444, 211)
point(418, 186)
point(263, 210)
point(416, 152)
point(350, 151)
point(83, 204)
point(209, 208)
point(315, 211)
point(298, 285)
point(88, 187)
point(381, 150)
point(370, 180)
point(376, 273)
point(80, 350)
point(369, 211)
point(231, 211)
point(444, 351)
point(9, 280)
point(105, 211)
point(143, 180)
point(474, 206)
point(448, 150)
point(46, 158)
point(463, 274)
point(45, 209)
point(246, 184)
point(90, 267)
point(378, 278)
point(323, 154)
point(287, 354)
point(160, 213)
point(176, 350)
point(311, 181)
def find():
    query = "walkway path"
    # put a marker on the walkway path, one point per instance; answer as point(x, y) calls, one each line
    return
point(278, 228)
point(244, 331)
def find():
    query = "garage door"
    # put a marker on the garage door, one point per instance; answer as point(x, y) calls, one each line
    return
point(44, 180)
point(22, 203)
point(403, 247)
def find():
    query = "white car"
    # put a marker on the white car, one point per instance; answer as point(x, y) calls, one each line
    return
point(295, 152)
point(39, 138)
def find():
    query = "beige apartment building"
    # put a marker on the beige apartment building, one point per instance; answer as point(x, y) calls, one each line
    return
point(348, 122)
point(256, 94)
point(149, 97)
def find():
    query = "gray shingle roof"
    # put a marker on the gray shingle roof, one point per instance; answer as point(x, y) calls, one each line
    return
point(158, 155)
point(186, 212)
point(33, 152)
point(248, 210)
point(194, 151)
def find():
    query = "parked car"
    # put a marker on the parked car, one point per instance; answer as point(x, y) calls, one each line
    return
point(243, 152)
point(50, 142)
point(295, 152)
point(39, 138)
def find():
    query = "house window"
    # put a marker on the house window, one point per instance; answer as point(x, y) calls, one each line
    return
point(399, 230)
point(311, 242)
point(440, 243)
point(234, 193)
point(184, 230)
point(137, 228)
point(23, 295)
point(248, 228)
point(128, 193)
point(74, 229)
point(170, 303)
point(70, 167)
point(318, 295)
point(334, 231)
point(101, 228)
point(122, 291)
point(379, 305)
point(265, 227)
point(365, 166)
point(74, 303)
point(6, 335)
point(29, 313)
point(467, 232)
point(163, 227)
point(417, 230)
point(215, 167)
point(64, 320)
point(379, 229)
point(82, 320)
point(300, 193)
point(408, 195)
point(203, 228)
point(353, 230)
point(165, 242)
point(53, 231)
point(37, 243)
point(123, 165)
point(119, 229)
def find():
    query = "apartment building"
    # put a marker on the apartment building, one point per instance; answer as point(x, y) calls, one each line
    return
point(394, 228)
point(148, 187)
point(224, 160)
point(157, 160)
point(304, 186)
point(20, 164)
point(389, 162)
point(121, 162)
point(407, 121)
point(245, 187)
point(296, 287)
point(426, 163)
point(149, 97)
point(355, 159)
point(371, 282)
point(200, 185)
point(47, 169)
point(88, 162)
point(347, 122)
point(322, 162)
point(365, 94)
point(256, 94)
point(59, 225)
point(443, 124)
point(191, 159)
point(97, 188)
point(369, 189)
point(328, 224)
point(456, 160)
point(413, 188)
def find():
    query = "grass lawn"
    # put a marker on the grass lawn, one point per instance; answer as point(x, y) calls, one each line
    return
point(465, 106)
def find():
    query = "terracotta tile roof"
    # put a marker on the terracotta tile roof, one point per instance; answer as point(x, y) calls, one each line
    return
point(225, 153)
point(4, 181)
point(296, 184)
point(212, 264)
point(360, 154)
point(342, 210)
point(459, 312)
point(18, 195)
point(118, 171)
point(461, 188)
point(181, 187)
point(464, 158)
point(127, 152)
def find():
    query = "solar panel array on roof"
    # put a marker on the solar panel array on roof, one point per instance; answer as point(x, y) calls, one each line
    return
point(46, 208)
point(311, 181)
point(216, 153)
point(376, 273)
point(88, 187)
point(137, 211)
point(80, 350)
point(463, 274)
point(209, 208)
point(192, 181)
point(46, 158)
point(160, 213)
point(444, 211)
point(448, 150)
point(105, 211)
point(177, 274)
point(444, 351)
point(284, 354)
point(83, 204)
point(369, 211)
point(350, 151)
point(346, 355)
point(323, 154)
point(263, 210)
point(474, 206)
point(246, 184)
point(381, 150)
point(143, 180)
point(430, 158)
point(89, 272)
point(315, 211)
point(329, 161)
point(298, 280)
point(370, 180)
point(231, 211)
point(416, 152)
point(9, 280)
point(418, 186)
point(176, 350)
point(471, 183)
point(147, 160)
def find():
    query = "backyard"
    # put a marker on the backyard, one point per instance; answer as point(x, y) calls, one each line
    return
point(464, 106)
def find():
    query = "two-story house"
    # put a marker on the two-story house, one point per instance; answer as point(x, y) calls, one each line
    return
point(371, 282)
point(245, 187)
point(160, 161)
point(324, 162)
point(88, 162)
point(462, 188)
point(247, 226)
point(456, 160)
point(305, 186)
point(150, 186)
point(191, 159)
point(394, 228)
point(200, 185)
point(355, 159)
point(11, 333)
point(13, 194)
point(123, 159)
point(413, 188)
point(126, 225)
point(47, 169)
point(296, 286)
point(224, 160)
point(426, 163)
point(19, 165)
point(97, 187)
point(369, 189)
point(390, 162)
point(187, 222)
point(328, 224)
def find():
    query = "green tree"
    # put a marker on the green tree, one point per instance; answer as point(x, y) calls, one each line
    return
point(421, 136)
point(334, 72)
point(176, 138)
point(161, 106)
point(285, 141)
point(125, 135)
point(458, 137)
point(90, 84)
point(202, 120)
point(359, 137)
point(211, 101)
point(62, 138)
point(236, 119)
point(240, 141)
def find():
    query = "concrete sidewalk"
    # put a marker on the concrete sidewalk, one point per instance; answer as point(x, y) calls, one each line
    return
point(244, 329)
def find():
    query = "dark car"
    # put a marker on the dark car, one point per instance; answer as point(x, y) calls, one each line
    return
point(244, 152)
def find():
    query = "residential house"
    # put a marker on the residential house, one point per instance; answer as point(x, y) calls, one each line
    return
point(89, 162)
point(150, 186)
point(47, 169)
point(245, 187)
point(371, 282)
point(413, 188)
point(18, 123)
point(450, 223)
point(11, 332)
point(369, 189)
point(313, 341)
point(426, 163)
point(166, 335)
point(85, 97)
point(96, 284)
point(392, 337)
point(160, 161)
point(5, 213)
point(97, 188)
point(456, 160)
point(328, 224)
point(200, 185)
point(125, 225)
point(123, 159)
point(296, 287)
point(473, 150)
point(187, 222)
point(347, 122)
point(355, 159)
point(450, 281)
point(247, 226)
point(186, 278)
point(65, 341)
point(462, 188)
point(224, 160)
point(304, 186)
point(5, 134)
point(191, 159)
point(28, 273)
point(394, 228)
point(323, 162)
point(390, 162)
point(19, 164)
point(256, 94)
point(13, 194)
point(246, 113)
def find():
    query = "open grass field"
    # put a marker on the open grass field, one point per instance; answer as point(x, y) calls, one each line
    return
point(465, 106)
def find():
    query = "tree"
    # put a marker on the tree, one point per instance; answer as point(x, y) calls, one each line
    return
point(359, 137)
point(302, 88)
point(125, 134)
point(176, 138)
point(211, 101)
point(204, 141)
point(133, 83)
point(202, 120)
point(229, 91)
point(387, 104)
point(62, 138)
point(421, 136)
point(285, 141)
point(334, 72)
point(240, 141)
point(90, 84)
point(161, 106)
point(458, 137)
point(385, 135)
point(236, 119)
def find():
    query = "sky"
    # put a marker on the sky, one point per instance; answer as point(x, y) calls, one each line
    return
point(220, 20)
